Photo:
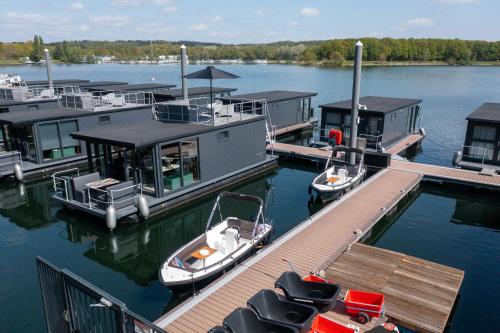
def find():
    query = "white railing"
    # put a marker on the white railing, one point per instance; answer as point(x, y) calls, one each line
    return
point(477, 153)
point(110, 195)
point(35, 92)
point(373, 140)
point(200, 111)
point(15, 157)
point(60, 184)
point(100, 101)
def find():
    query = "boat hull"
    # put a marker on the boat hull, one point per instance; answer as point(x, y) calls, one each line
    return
point(335, 192)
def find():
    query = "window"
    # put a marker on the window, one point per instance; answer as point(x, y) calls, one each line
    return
point(180, 165)
point(222, 136)
point(56, 140)
point(4, 110)
point(104, 119)
point(21, 138)
point(189, 152)
point(483, 142)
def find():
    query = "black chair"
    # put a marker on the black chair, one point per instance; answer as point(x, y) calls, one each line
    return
point(321, 295)
point(219, 329)
point(270, 307)
point(245, 320)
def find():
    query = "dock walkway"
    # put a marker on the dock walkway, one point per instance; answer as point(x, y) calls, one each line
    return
point(404, 144)
point(314, 244)
point(419, 294)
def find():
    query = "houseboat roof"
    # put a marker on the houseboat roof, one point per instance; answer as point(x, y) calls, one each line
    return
point(147, 133)
point(31, 117)
point(9, 102)
point(132, 87)
point(488, 112)
point(194, 91)
point(375, 104)
point(56, 82)
point(99, 83)
point(270, 96)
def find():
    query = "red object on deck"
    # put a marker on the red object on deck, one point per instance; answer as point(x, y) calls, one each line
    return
point(324, 325)
point(314, 278)
point(357, 301)
point(335, 134)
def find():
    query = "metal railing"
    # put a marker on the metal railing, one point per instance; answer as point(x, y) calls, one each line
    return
point(60, 183)
point(477, 153)
point(200, 111)
point(100, 101)
point(36, 92)
point(15, 157)
point(111, 195)
point(373, 141)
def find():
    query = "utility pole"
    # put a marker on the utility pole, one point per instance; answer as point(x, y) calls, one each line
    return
point(48, 64)
point(184, 72)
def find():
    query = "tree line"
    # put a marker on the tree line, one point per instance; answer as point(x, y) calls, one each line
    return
point(333, 52)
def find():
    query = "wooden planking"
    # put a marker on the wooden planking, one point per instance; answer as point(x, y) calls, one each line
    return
point(419, 294)
point(286, 148)
point(404, 144)
point(293, 128)
point(311, 245)
point(451, 174)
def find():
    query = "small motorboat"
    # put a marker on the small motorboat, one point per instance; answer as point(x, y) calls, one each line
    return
point(321, 295)
point(269, 306)
point(339, 176)
point(221, 246)
point(245, 320)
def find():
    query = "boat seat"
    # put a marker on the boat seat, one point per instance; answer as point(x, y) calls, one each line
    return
point(244, 227)
point(79, 186)
point(342, 174)
point(123, 194)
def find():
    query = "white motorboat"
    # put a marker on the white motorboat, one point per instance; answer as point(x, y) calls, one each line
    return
point(339, 178)
point(221, 246)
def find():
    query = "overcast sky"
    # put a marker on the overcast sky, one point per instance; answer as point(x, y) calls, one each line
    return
point(234, 21)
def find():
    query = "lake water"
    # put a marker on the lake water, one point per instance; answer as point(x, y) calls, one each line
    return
point(126, 263)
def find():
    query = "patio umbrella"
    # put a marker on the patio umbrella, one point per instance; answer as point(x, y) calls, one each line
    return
point(211, 73)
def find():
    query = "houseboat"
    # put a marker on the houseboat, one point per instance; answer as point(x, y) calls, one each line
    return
point(174, 94)
point(284, 108)
point(143, 87)
point(188, 150)
point(481, 149)
point(383, 121)
point(36, 143)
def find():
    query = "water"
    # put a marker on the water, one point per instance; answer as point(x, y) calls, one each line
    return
point(460, 229)
point(126, 263)
point(449, 93)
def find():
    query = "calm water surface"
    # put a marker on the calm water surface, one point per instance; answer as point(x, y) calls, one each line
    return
point(126, 262)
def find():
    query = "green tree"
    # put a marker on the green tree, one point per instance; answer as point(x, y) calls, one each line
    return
point(37, 52)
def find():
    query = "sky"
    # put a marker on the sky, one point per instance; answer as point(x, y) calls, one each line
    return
point(254, 21)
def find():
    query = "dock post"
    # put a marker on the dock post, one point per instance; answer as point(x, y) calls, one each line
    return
point(184, 72)
point(355, 100)
point(48, 64)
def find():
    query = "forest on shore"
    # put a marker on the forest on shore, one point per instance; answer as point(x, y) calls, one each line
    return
point(335, 52)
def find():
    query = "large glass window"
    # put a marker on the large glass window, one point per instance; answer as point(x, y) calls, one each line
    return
point(56, 140)
point(179, 164)
point(483, 142)
point(21, 139)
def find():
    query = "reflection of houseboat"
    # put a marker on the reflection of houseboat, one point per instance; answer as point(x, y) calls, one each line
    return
point(383, 121)
point(285, 108)
point(193, 148)
point(36, 143)
point(481, 149)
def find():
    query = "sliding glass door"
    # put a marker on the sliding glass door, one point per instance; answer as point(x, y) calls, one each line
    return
point(180, 165)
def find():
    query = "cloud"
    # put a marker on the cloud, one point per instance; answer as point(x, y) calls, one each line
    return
point(308, 11)
point(293, 23)
point(169, 9)
point(135, 3)
point(199, 27)
point(456, 2)
point(77, 6)
point(421, 21)
point(262, 12)
point(111, 20)
point(216, 18)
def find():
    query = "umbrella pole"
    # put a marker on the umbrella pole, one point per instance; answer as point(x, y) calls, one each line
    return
point(212, 103)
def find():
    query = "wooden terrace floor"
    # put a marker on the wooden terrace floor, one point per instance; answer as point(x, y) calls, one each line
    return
point(404, 144)
point(314, 244)
point(419, 294)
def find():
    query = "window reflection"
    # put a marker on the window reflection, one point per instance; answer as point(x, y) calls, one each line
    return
point(179, 163)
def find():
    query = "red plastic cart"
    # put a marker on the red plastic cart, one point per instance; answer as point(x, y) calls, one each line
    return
point(364, 305)
point(324, 325)
point(315, 278)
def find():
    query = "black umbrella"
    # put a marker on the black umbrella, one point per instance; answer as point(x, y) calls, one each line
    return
point(211, 73)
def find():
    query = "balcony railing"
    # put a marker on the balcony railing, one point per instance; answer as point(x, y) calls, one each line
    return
point(477, 153)
point(101, 101)
point(36, 92)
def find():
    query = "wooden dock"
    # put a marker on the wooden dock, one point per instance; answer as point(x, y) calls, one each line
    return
point(419, 294)
point(314, 244)
point(404, 144)
point(309, 153)
point(293, 128)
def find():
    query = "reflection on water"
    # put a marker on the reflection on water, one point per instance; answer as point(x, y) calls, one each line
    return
point(458, 228)
point(124, 263)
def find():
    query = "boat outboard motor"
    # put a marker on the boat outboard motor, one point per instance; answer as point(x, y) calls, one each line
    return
point(111, 217)
point(457, 158)
point(18, 172)
point(142, 206)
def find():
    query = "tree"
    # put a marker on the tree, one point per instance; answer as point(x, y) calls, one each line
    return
point(37, 53)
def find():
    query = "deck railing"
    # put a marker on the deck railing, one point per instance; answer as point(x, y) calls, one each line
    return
point(35, 92)
point(100, 101)
point(477, 153)
point(201, 111)
point(60, 182)
point(8, 159)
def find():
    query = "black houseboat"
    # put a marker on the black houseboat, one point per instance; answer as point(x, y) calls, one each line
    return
point(481, 149)
point(193, 92)
point(190, 150)
point(383, 121)
point(36, 143)
point(284, 108)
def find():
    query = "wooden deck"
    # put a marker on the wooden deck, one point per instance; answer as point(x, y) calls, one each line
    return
point(453, 175)
point(314, 244)
point(404, 144)
point(293, 128)
point(419, 294)
point(299, 151)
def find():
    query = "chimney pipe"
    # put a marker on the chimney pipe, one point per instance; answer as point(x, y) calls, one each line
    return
point(48, 64)
point(184, 72)
point(355, 100)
